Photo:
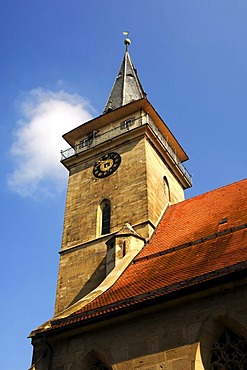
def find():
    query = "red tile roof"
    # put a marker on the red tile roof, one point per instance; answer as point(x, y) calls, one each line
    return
point(197, 240)
point(199, 217)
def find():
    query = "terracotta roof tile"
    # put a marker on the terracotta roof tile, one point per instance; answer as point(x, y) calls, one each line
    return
point(197, 240)
point(199, 217)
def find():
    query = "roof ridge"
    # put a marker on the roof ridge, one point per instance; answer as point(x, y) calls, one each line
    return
point(190, 243)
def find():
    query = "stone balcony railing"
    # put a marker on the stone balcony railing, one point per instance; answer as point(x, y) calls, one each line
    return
point(96, 139)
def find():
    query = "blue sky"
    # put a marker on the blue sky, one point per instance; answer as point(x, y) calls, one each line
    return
point(58, 61)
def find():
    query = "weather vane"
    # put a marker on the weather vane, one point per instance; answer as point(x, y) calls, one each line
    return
point(127, 40)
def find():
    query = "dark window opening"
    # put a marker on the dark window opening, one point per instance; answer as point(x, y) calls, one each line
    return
point(88, 140)
point(106, 217)
point(223, 221)
point(166, 188)
point(126, 124)
point(83, 143)
point(124, 248)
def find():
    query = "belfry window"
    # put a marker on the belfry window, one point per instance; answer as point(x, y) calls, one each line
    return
point(105, 207)
point(229, 352)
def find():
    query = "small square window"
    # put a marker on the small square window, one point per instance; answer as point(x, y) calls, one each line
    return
point(126, 124)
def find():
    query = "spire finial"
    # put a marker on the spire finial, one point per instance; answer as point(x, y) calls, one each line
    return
point(127, 41)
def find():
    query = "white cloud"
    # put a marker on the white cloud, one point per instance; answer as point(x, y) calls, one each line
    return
point(35, 151)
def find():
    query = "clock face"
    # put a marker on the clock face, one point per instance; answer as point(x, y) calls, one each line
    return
point(106, 165)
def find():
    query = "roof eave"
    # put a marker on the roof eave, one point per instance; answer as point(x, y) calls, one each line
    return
point(81, 131)
point(229, 275)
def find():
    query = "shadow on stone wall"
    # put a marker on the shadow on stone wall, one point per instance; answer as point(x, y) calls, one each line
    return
point(96, 278)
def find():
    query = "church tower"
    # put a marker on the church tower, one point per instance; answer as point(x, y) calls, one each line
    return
point(125, 167)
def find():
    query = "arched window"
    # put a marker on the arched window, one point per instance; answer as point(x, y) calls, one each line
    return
point(104, 219)
point(229, 352)
point(166, 188)
point(94, 360)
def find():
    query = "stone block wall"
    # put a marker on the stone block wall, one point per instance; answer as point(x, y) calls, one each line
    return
point(82, 260)
point(160, 193)
point(137, 196)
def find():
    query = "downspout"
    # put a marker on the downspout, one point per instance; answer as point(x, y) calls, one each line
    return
point(48, 351)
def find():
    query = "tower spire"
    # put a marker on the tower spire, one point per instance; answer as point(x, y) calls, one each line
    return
point(127, 86)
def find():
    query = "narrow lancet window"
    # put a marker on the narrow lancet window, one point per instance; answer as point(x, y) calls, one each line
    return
point(166, 189)
point(105, 216)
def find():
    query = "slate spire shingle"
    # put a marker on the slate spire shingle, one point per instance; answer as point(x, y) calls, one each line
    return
point(127, 86)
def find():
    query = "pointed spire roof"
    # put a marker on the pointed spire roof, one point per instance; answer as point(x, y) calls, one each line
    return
point(127, 86)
